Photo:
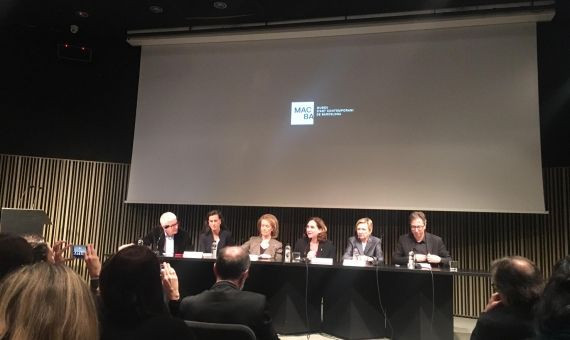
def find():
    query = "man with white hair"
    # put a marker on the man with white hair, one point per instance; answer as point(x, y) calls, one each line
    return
point(168, 238)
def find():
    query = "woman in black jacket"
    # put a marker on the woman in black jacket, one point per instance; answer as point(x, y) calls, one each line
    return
point(315, 243)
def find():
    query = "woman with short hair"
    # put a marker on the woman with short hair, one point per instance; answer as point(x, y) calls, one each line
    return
point(364, 245)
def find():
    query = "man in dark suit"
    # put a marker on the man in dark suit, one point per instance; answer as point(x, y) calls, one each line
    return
point(510, 311)
point(426, 247)
point(225, 302)
point(168, 238)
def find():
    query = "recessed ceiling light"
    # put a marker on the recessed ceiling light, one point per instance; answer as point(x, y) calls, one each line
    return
point(220, 5)
point(155, 9)
point(82, 14)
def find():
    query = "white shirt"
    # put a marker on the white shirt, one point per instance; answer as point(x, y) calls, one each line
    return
point(168, 244)
point(363, 246)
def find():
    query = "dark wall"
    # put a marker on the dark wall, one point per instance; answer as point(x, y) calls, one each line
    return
point(67, 109)
point(74, 110)
point(554, 87)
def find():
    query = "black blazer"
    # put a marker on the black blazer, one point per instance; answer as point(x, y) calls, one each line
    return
point(182, 240)
point(504, 323)
point(373, 248)
point(407, 242)
point(326, 248)
point(226, 303)
point(206, 239)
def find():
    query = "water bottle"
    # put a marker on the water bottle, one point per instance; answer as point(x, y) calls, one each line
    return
point(354, 253)
point(411, 262)
point(214, 249)
point(287, 258)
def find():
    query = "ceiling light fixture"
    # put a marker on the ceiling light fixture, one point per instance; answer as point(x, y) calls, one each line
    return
point(220, 5)
point(82, 14)
point(155, 9)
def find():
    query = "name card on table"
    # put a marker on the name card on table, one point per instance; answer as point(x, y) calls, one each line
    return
point(192, 255)
point(354, 263)
point(322, 260)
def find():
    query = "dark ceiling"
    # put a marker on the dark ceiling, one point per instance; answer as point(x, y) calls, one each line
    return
point(56, 103)
point(112, 18)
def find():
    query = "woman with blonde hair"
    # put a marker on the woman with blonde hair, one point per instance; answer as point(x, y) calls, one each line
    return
point(265, 245)
point(364, 245)
point(47, 301)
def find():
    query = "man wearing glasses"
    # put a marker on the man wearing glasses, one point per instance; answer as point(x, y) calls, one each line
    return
point(169, 239)
point(427, 248)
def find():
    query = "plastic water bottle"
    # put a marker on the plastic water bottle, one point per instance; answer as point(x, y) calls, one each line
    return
point(214, 249)
point(287, 258)
point(354, 253)
point(411, 262)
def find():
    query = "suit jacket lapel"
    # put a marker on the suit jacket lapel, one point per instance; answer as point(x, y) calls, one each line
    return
point(370, 244)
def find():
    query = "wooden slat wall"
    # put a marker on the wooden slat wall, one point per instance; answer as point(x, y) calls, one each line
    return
point(85, 202)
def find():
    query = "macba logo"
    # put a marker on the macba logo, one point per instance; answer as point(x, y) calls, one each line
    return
point(302, 113)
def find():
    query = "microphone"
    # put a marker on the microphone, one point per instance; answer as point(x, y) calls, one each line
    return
point(24, 194)
point(160, 234)
point(36, 196)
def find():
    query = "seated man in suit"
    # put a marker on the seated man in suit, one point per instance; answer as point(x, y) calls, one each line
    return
point(426, 247)
point(225, 302)
point(168, 238)
point(510, 311)
point(364, 244)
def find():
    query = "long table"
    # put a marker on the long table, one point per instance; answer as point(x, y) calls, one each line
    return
point(344, 301)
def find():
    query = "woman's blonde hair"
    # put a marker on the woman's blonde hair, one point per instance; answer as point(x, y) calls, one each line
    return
point(367, 221)
point(272, 221)
point(47, 301)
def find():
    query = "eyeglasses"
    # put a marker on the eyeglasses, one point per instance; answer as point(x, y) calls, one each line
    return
point(166, 226)
point(417, 226)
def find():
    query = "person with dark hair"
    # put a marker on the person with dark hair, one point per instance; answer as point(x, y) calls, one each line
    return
point(427, 248)
point(509, 312)
point(553, 308)
point(132, 298)
point(266, 245)
point(214, 231)
point(46, 301)
point(169, 238)
point(15, 252)
point(225, 302)
point(367, 247)
point(315, 243)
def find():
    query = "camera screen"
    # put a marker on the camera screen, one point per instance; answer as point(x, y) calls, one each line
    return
point(79, 250)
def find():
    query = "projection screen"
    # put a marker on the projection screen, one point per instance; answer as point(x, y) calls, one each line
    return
point(434, 120)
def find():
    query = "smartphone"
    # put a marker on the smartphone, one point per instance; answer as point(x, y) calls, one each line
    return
point(79, 251)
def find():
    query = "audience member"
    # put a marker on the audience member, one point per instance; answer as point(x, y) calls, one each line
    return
point(214, 231)
point(225, 302)
point(509, 313)
point(427, 248)
point(15, 252)
point(133, 305)
point(46, 301)
point(553, 309)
